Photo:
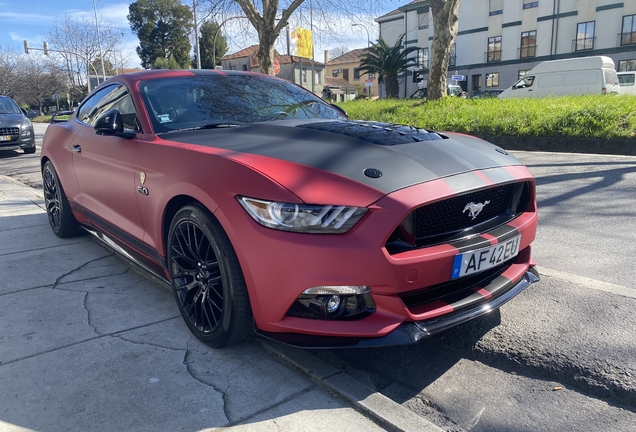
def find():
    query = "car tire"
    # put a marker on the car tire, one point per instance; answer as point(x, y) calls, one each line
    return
point(29, 150)
point(58, 209)
point(207, 280)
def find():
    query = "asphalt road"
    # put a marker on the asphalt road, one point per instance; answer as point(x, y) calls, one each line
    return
point(562, 355)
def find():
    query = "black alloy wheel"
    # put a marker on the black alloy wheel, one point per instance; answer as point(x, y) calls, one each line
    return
point(58, 209)
point(207, 279)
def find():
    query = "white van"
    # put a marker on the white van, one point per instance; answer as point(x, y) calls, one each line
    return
point(627, 82)
point(584, 75)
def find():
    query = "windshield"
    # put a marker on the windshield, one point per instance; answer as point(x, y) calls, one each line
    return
point(7, 106)
point(204, 101)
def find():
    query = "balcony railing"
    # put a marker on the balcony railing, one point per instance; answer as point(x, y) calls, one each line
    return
point(583, 44)
point(527, 51)
point(492, 56)
point(626, 39)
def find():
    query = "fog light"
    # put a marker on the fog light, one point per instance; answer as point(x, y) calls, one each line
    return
point(333, 303)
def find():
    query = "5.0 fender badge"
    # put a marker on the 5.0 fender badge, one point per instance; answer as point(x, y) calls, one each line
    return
point(142, 177)
point(475, 209)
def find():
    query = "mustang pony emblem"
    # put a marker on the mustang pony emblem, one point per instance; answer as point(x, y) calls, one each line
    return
point(474, 209)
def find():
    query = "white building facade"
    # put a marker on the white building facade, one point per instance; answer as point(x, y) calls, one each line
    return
point(499, 40)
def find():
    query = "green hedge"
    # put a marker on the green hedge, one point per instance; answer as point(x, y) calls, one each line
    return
point(570, 116)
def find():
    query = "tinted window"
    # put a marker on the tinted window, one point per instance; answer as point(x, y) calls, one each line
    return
point(626, 80)
point(112, 97)
point(190, 102)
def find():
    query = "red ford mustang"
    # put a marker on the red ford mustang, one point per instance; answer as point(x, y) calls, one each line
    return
point(268, 210)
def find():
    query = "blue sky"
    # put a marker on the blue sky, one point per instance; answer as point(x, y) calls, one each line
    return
point(33, 18)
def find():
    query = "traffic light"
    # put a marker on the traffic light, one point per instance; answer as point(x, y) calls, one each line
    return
point(26, 46)
point(46, 48)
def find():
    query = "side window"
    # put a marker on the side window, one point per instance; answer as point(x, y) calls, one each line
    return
point(526, 81)
point(111, 97)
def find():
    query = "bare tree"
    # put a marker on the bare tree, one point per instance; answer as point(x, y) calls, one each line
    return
point(8, 72)
point(270, 17)
point(38, 79)
point(74, 43)
point(445, 18)
point(338, 51)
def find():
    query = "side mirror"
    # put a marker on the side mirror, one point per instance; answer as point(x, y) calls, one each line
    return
point(111, 123)
point(26, 114)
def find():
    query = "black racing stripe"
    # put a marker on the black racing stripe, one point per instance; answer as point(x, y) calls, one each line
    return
point(121, 235)
point(499, 286)
point(465, 182)
point(499, 175)
point(504, 233)
point(319, 144)
point(464, 299)
point(471, 244)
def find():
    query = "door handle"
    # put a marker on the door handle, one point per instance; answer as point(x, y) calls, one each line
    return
point(77, 148)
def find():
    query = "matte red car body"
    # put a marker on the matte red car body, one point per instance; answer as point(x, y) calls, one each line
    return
point(277, 265)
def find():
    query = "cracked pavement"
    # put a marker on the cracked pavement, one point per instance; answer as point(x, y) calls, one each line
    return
point(89, 344)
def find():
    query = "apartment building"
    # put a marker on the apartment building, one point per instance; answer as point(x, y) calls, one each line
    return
point(500, 40)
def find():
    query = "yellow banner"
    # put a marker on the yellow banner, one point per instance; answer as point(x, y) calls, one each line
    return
point(302, 43)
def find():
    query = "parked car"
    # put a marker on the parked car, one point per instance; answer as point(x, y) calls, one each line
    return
point(452, 90)
point(32, 113)
point(489, 93)
point(627, 81)
point(16, 130)
point(268, 210)
point(574, 76)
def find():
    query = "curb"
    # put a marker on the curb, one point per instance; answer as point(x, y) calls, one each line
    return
point(387, 413)
point(619, 147)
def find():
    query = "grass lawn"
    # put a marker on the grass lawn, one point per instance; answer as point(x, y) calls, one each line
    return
point(570, 116)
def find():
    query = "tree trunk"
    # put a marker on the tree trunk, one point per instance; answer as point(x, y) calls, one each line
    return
point(445, 17)
point(392, 86)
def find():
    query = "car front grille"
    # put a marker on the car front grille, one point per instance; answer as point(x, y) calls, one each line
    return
point(452, 219)
point(9, 131)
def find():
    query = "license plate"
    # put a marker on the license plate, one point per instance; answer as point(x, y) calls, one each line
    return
point(483, 259)
point(5, 138)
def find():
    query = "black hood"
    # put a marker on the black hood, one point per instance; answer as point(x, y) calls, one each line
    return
point(383, 156)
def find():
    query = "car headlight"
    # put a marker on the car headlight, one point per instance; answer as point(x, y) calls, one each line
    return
point(26, 128)
point(323, 219)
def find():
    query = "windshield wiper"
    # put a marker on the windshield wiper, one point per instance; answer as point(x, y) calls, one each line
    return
point(206, 126)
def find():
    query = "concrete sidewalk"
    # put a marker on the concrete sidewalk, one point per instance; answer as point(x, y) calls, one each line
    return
point(89, 344)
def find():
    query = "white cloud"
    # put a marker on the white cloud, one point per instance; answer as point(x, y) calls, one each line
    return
point(25, 18)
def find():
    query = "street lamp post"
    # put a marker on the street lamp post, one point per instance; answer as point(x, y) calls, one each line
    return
point(99, 41)
point(196, 34)
point(367, 30)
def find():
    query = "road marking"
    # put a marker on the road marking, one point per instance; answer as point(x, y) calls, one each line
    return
point(589, 282)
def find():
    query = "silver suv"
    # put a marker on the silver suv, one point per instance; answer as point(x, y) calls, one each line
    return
point(16, 130)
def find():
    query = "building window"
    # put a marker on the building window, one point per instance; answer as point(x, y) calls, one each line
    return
point(422, 27)
point(317, 77)
point(422, 59)
point(303, 73)
point(492, 79)
point(496, 7)
point(345, 74)
point(528, 4)
point(356, 74)
point(244, 67)
point(528, 44)
point(453, 57)
point(626, 66)
point(628, 34)
point(523, 73)
point(335, 72)
point(494, 49)
point(585, 36)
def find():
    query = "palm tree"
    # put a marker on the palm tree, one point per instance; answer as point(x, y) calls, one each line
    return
point(388, 62)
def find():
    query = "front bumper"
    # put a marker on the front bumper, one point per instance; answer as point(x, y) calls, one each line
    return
point(18, 143)
point(412, 290)
point(411, 332)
